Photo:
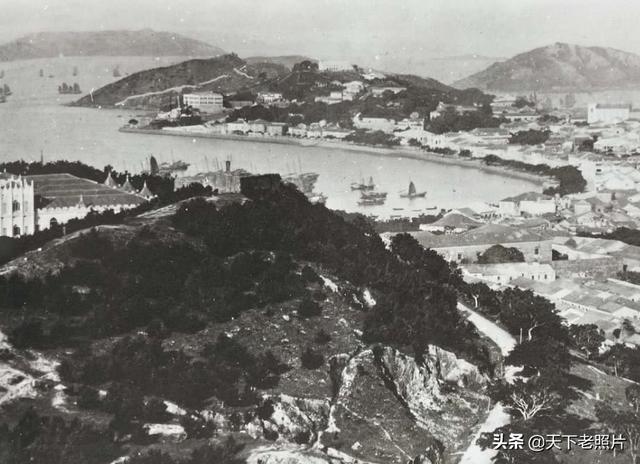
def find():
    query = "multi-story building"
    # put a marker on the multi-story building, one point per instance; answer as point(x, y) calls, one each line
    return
point(607, 113)
point(207, 102)
point(268, 98)
point(468, 246)
point(16, 206)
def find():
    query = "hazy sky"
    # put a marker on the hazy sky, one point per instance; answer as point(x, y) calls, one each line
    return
point(363, 30)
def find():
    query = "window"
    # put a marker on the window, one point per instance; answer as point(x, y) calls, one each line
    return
point(15, 206)
point(545, 277)
point(459, 256)
point(537, 251)
point(16, 231)
point(53, 222)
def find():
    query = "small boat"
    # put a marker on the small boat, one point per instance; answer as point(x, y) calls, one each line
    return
point(431, 208)
point(398, 209)
point(372, 195)
point(363, 186)
point(412, 193)
point(166, 168)
point(371, 201)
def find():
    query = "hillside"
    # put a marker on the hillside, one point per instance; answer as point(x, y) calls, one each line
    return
point(158, 86)
point(286, 60)
point(560, 67)
point(255, 324)
point(144, 42)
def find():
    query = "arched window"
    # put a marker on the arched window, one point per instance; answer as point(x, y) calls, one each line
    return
point(16, 231)
point(53, 222)
point(15, 206)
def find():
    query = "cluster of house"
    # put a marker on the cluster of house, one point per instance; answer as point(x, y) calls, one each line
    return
point(37, 202)
point(224, 181)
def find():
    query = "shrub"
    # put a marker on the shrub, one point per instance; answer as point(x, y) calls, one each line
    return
point(309, 308)
point(311, 359)
point(310, 276)
point(322, 337)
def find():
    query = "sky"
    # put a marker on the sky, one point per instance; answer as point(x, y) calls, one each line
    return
point(363, 31)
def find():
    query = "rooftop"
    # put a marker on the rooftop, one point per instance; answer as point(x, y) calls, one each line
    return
point(489, 234)
point(65, 190)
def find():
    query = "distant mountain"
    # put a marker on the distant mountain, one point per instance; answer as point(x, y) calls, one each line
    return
point(287, 60)
point(560, 67)
point(145, 42)
point(158, 86)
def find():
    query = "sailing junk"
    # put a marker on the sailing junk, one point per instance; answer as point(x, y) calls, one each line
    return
point(363, 186)
point(412, 193)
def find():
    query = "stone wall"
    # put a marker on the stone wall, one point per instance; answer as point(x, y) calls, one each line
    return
point(595, 268)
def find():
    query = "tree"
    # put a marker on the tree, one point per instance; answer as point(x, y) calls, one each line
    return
point(311, 359)
point(532, 398)
point(632, 392)
point(587, 338)
point(622, 422)
point(528, 315)
point(306, 65)
point(500, 254)
point(530, 137)
point(540, 355)
point(521, 102)
point(309, 308)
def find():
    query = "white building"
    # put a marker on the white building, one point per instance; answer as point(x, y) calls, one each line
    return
point(334, 65)
point(16, 206)
point(269, 98)
point(507, 272)
point(607, 113)
point(425, 138)
point(378, 91)
point(207, 102)
point(374, 124)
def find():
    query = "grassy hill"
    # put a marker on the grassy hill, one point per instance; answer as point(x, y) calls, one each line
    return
point(158, 86)
point(144, 42)
point(560, 67)
point(271, 322)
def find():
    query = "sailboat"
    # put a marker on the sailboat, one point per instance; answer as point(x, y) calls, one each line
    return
point(412, 193)
point(363, 186)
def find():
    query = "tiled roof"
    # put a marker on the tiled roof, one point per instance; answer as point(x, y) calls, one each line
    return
point(486, 235)
point(65, 190)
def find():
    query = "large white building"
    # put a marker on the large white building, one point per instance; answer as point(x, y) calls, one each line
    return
point(16, 206)
point(334, 65)
point(207, 102)
point(607, 113)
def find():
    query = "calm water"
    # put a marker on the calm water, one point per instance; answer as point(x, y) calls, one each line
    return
point(34, 120)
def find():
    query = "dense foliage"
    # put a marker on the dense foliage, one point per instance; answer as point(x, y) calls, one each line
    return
point(500, 254)
point(569, 178)
point(530, 137)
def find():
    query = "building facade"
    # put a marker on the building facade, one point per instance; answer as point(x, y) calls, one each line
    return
point(607, 113)
point(16, 206)
point(207, 102)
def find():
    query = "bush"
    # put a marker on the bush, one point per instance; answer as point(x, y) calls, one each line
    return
point(309, 308)
point(310, 276)
point(156, 411)
point(322, 337)
point(311, 359)
point(499, 254)
point(196, 426)
point(265, 410)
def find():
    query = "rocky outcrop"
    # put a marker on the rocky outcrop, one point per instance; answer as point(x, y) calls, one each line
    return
point(386, 408)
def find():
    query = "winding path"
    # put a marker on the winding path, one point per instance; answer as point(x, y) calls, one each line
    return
point(498, 417)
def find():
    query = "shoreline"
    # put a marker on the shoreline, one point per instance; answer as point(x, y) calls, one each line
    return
point(400, 152)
